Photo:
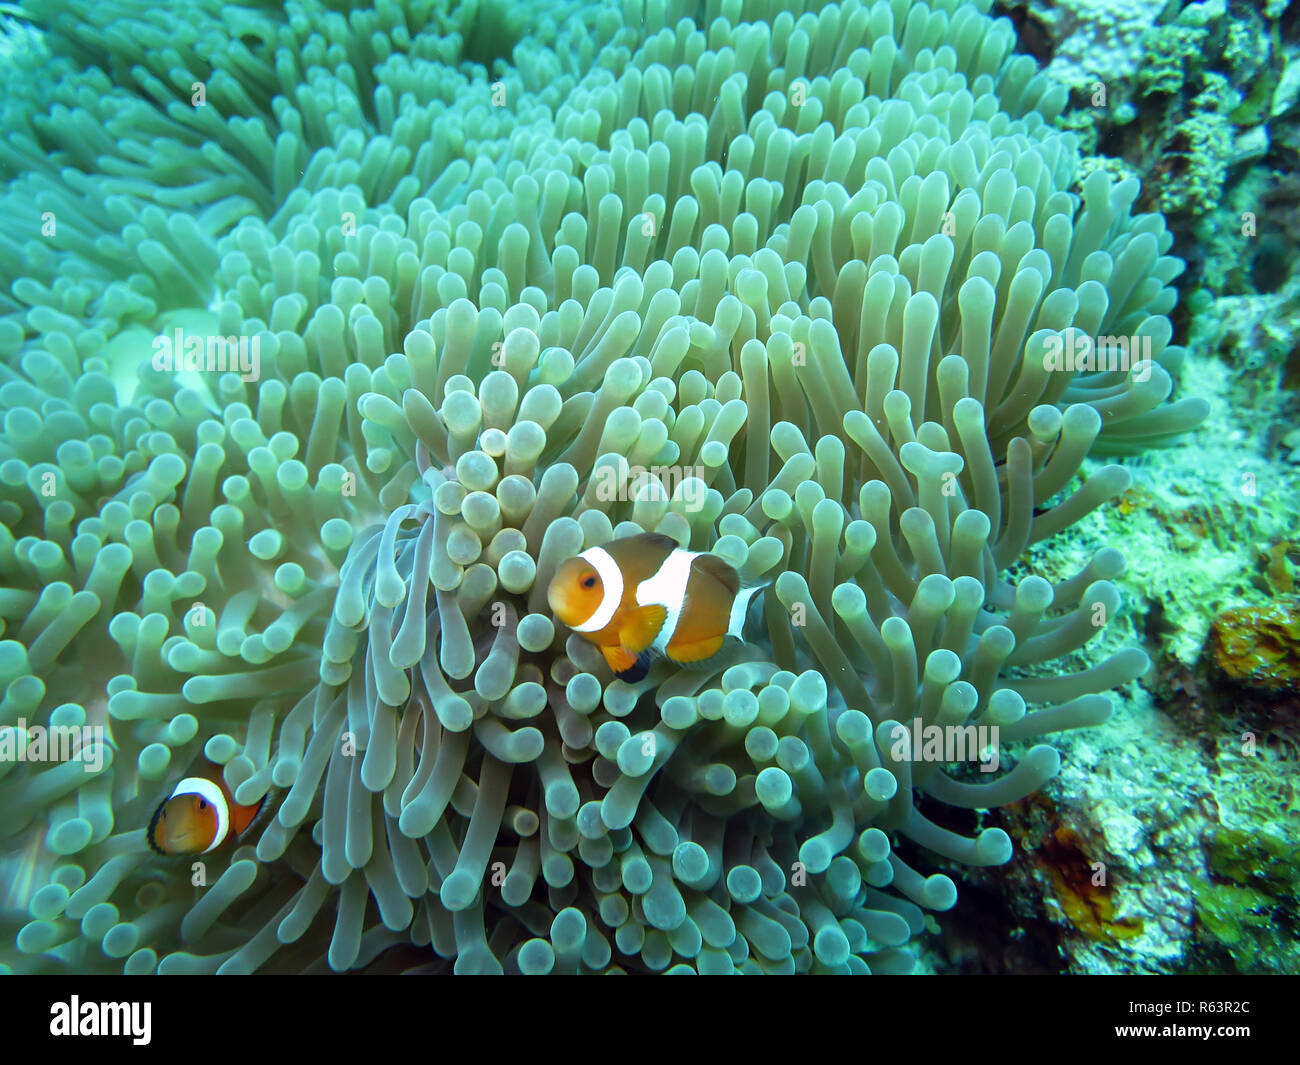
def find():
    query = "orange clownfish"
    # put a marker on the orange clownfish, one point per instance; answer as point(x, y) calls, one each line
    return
point(643, 597)
point(200, 815)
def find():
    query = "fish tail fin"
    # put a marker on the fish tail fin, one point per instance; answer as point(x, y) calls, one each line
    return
point(151, 833)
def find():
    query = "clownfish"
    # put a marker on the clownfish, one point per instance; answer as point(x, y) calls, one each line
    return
point(644, 597)
point(200, 815)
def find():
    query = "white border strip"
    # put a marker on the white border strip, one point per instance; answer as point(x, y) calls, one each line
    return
point(205, 789)
point(739, 608)
point(667, 588)
point(612, 579)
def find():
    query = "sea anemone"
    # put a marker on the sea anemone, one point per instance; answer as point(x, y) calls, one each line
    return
point(812, 260)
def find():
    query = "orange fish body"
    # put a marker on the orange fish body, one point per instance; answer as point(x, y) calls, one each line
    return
point(200, 815)
point(644, 597)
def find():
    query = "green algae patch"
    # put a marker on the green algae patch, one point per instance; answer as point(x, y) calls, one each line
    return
point(1249, 912)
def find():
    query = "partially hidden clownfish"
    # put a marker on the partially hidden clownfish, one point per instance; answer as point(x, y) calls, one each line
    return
point(200, 815)
point(643, 597)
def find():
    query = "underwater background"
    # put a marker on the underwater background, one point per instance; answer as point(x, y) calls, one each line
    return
point(329, 333)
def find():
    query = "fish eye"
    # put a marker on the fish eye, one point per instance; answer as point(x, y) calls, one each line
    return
point(203, 804)
point(589, 582)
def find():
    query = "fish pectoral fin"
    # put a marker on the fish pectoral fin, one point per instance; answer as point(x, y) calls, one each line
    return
point(699, 651)
point(620, 659)
point(641, 627)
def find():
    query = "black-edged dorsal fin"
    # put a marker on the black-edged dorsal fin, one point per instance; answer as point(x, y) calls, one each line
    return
point(719, 570)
